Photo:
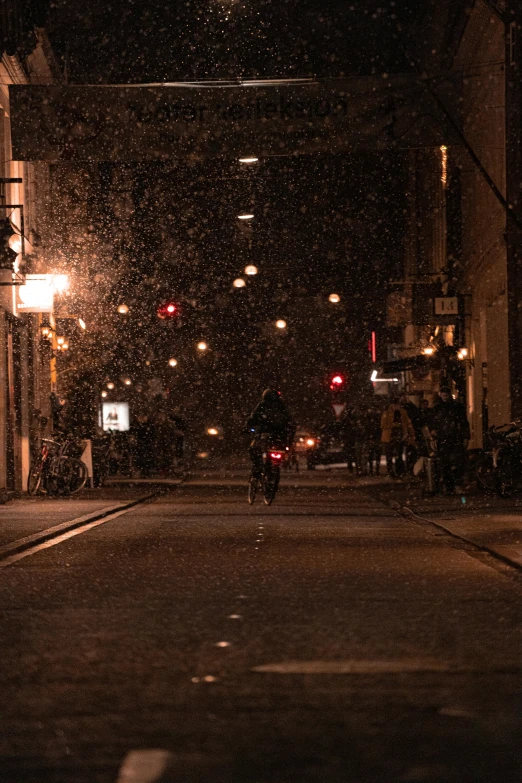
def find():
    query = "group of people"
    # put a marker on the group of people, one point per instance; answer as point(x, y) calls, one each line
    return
point(157, 442)
point(404, 432)
point(407, 434)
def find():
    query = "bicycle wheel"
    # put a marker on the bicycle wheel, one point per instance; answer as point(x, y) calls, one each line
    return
point(506, 472)
point(59, 476)
point(34, 480)
point(485, 474)
point(270, 484)
point(252, 489)
point(78, 475)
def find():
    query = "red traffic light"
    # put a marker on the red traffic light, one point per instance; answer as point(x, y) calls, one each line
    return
point(337, 382)
point(167, 310)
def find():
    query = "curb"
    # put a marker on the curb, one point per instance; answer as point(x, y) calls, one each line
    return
point(21, 544)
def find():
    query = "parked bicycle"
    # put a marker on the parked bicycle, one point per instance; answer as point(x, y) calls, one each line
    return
point(500, 467)
point(56, 468)
point(267, 479)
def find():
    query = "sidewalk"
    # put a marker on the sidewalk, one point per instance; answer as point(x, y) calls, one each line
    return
point(26, 516)
point(486, 520)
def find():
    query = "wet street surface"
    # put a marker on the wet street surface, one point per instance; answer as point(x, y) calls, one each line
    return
point(325, 638)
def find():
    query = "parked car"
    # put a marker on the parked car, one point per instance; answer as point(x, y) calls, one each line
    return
point(304, 441)
point(329, 447)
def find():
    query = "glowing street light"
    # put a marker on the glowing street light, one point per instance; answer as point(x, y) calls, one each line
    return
point(127, 382)
point(110, 385)
point(202, 346)
point(104, 394)
point(429, 350)
point(248, 160)
point(462, 353)
point(246, 216)
point(281, 324)
point(212, 431)
point(15, 243)
point(251, 270)
point(60, 283)
point(239, 283)
point(123, 309)
point(334, 298)
point(173, 362)
point(82, 324)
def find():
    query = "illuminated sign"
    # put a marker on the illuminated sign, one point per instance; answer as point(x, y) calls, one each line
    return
point(114, 416)
point(37, 295)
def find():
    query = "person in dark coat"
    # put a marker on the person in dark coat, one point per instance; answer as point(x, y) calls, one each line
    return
point(372, 437)
point(450, 427)
point(270, 417)
point(145, 435)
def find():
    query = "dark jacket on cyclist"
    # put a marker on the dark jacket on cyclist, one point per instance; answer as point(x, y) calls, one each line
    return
point(271, 416)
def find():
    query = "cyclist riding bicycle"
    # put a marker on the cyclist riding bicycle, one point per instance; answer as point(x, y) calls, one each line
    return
point(270, 418)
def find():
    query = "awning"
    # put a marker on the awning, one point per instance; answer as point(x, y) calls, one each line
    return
point(409, 363)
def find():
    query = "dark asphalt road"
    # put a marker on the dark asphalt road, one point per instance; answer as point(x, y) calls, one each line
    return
point(393, 653)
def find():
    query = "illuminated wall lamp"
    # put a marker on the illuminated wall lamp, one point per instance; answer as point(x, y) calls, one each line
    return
point(374, 379)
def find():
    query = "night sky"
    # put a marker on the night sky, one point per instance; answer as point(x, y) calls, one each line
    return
point(322, 223)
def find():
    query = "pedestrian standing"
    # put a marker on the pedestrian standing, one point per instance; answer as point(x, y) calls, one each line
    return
point(372, 436)
point(414, 415)
point(397, 432)
point(165, 434)
point(145, 442)
point(450, 427)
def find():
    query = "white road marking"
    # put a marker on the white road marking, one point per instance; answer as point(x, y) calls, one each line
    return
point(36, 537)
point(353, 667)
point(59, 539)
point(144, 766)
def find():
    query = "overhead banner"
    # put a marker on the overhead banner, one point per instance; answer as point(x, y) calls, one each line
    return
point(159, 122)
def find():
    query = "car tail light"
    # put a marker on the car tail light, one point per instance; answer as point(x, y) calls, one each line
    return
point(276, 455)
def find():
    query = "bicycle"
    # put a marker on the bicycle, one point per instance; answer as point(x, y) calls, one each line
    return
point(267, 477)
point(55, 470)
point(500, 467)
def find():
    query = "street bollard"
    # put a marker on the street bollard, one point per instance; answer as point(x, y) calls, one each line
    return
point(432, 474)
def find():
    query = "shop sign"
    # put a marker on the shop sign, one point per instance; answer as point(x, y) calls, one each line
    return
point(37, 295)
point(114, 416)
point(183, 119)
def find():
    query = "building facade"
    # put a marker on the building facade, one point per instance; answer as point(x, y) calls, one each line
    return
point(464, 242)
point(25, 359)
